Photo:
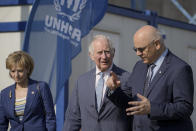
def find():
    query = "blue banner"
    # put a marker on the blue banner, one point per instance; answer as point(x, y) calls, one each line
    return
point(53, 38)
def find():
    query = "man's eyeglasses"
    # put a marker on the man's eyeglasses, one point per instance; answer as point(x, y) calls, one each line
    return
point(143, 48)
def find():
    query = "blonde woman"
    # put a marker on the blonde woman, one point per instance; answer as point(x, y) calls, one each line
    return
point(27, 104)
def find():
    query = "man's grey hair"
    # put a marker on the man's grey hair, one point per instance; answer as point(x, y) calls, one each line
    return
point(159, 36)
point(96, 37)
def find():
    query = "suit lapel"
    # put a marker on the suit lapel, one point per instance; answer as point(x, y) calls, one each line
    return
point(106, 100)
point(32, 91)
point(138, 81)
point(159, 74)
point(143, 80)
point(12, 98)
point(92, 96)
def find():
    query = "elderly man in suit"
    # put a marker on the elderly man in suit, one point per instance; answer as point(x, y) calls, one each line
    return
point(89, 109)
point(162, 84)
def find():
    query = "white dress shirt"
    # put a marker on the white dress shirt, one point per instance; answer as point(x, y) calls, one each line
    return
point(159, 62)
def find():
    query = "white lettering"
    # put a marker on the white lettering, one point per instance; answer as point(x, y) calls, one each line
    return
point(62, 2)
point(69, 3)
point(48, 22)
point(75, 6)
point(76, 34)
point(64, 29)
point(56, 23)
point(70, 29)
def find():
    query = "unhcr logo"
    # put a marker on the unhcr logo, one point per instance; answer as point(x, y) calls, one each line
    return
point(66, 28)
point(75, 7)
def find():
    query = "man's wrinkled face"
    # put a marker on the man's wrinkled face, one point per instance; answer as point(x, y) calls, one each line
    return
point(102, 55)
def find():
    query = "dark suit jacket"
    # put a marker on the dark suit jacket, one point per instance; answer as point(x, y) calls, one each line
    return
point(170, 94)
point(82, 112)
point(36, 116)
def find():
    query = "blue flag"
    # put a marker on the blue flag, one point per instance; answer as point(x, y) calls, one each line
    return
point(53, 38)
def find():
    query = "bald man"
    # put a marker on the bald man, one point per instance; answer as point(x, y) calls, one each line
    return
point(163, 94)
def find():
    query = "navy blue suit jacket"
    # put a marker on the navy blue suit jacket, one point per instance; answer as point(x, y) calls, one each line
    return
point(82, 112)
point(37, 117)
point(170, 95)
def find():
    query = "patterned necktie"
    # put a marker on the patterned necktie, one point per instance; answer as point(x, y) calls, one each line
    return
point(149, 77)
point(99, 90)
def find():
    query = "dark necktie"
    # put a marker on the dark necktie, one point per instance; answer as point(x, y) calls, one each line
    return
point(99, 90)
point(149, 77)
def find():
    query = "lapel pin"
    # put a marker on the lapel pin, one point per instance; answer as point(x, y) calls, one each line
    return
point(10, 94)
point(32, 92)
point(160, 72)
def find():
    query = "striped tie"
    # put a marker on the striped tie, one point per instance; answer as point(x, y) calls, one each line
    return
point(149, 77)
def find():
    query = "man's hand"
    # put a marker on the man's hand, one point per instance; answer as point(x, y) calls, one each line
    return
point(113, 82)
point(139, 107)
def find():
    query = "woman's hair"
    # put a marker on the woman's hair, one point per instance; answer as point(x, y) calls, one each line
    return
point(22, 59)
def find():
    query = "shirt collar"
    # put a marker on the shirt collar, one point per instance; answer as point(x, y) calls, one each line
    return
point(159, 61)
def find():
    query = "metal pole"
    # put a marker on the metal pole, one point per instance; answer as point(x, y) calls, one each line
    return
point(184, 12)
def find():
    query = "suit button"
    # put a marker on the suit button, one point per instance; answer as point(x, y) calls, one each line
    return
point(98, 119)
